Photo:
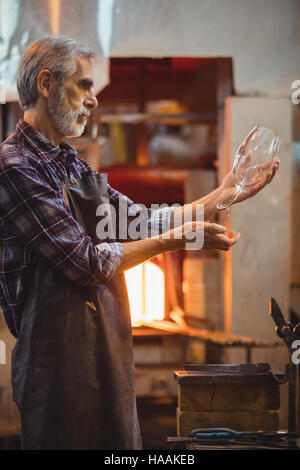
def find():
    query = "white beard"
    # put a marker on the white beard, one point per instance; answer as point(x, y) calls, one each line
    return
point(66, 120)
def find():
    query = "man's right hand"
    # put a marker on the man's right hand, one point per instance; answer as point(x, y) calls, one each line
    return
point(214, 235)
point(138, 251)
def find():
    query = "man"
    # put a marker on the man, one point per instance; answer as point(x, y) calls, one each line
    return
point(55, 82)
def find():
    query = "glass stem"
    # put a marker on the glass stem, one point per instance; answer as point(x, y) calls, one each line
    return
point(228, 204)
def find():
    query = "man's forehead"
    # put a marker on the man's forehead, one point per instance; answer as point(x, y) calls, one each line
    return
point(83, 68)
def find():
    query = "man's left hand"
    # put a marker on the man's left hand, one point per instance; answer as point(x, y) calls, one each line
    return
point(228, 188)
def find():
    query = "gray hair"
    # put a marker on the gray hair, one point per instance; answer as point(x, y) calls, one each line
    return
point(54, 53)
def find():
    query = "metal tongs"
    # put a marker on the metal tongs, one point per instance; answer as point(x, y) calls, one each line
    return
point(288, 334)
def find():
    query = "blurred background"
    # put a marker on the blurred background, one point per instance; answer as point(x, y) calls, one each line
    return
point(179, 85)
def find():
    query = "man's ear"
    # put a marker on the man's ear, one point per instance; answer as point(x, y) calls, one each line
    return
point(44, 80)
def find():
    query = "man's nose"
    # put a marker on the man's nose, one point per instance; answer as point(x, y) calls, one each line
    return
point(91, 101)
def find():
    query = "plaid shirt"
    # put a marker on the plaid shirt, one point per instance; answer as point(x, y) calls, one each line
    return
point(35, 221)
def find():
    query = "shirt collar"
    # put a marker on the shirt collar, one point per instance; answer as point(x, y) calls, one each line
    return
point(41, 145)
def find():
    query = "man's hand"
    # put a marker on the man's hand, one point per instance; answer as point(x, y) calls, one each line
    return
point(138, 251)
point(228, 189)
point(215, 237)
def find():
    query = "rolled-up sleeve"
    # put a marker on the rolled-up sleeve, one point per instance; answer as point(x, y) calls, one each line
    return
point(158, 220)
point(111, 255)
point(37, 215)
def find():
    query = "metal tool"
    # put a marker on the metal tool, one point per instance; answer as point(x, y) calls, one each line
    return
point(224, 438)
point(288, 334)
point(229, 436)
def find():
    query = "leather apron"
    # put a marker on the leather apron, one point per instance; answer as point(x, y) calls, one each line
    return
point(72, 364)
